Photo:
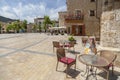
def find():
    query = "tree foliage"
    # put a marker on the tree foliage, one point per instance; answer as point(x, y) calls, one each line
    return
point(9, 27)
point(35, 28)
point(53, 23)
point(16, 26)
point(46, 22)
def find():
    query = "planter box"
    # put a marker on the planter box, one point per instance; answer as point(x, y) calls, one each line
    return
point(73, 41)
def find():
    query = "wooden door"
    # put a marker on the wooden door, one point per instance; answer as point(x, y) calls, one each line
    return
point(73, 30)
point(78, 30)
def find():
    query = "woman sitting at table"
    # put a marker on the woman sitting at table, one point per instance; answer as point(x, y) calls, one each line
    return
point(90, 46)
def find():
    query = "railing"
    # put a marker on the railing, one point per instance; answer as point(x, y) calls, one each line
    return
point(74, 17)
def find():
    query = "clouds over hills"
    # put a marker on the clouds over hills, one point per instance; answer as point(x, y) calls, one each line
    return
point(28, 10)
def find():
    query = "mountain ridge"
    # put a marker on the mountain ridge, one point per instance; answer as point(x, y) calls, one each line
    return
point(5, 19)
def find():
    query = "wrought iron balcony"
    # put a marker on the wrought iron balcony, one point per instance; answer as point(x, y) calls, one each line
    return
point(74, 18)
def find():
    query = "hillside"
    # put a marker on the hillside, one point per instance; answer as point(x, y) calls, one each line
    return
point(4, 19)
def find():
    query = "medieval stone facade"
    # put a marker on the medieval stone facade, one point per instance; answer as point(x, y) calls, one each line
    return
point(61, 18)
point(110, 24)
point(109, 5)
point(110, 29)
point(91, 11)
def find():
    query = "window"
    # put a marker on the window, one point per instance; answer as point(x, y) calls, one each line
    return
point(78, 11)
point(92, 13)
point(106, 2)
point(92, 0)
point(78, 14)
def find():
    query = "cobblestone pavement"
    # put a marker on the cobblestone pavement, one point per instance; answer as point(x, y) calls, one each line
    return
point(30, 56)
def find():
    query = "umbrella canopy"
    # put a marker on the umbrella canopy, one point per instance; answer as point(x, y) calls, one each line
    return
point(58, 28)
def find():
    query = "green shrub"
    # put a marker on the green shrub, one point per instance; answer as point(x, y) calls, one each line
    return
point(71, 38)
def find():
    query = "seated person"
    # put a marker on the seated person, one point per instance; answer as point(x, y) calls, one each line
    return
point(90, 46)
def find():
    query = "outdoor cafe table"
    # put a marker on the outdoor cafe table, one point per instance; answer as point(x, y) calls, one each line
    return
point(93, 61)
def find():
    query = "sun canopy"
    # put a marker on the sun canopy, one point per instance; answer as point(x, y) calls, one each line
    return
point(58, 28)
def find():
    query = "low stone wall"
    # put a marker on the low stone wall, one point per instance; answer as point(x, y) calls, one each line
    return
point(117, 61)
point(110, 29)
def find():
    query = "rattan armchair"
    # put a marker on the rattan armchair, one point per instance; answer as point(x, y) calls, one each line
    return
point(110, 57)
point(56, 44)
point(61, 57)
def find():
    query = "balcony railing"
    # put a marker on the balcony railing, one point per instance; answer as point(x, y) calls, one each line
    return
point(74, 17)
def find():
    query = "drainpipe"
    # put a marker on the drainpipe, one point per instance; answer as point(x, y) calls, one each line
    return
point(98, 17)
point(113, 4)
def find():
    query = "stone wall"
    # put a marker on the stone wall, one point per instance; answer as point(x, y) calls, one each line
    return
point(91, 22)
point(62, 18)
point(110, 29)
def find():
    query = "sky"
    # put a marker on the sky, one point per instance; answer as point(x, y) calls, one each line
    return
point(30, 9)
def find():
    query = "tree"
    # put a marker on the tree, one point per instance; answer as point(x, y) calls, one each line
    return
point(46, 22)
point(53, 23)
point(16, 26)
point(9, 27)
point(24, 25)
point(35, 28)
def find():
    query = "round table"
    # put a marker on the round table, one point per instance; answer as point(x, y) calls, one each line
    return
point(92, 61)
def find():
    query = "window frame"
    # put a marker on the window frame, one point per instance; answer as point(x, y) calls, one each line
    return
point(92, 0)
point(78, 11)
point(91, 13)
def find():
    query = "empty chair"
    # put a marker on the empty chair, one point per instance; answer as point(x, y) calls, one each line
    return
point(110, 57)
point(61, 57)
point(56, 44)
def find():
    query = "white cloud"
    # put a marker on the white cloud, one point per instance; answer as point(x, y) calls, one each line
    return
point(53, 13)
point(5, 8)
point(6, 11)
point(30, 11)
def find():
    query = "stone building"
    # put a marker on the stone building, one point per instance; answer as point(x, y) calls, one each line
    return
point(3, 27)
point(109, 5)
point(39, 21)
point(83, 16)
point(61, 18)
point(110, 28)
point(110, 24)
point(30, 27)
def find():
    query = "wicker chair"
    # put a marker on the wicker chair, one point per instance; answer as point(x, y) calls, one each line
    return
point(61, 57)
point(56, 45)
point(110, 56)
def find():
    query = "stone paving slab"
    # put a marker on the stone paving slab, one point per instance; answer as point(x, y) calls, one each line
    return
point(31, 57)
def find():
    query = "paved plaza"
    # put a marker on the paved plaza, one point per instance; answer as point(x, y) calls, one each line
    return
point(30, 56)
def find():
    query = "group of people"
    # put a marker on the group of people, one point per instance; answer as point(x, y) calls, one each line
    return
point(90, 46)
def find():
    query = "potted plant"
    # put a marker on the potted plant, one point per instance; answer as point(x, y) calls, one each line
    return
point(71, 38)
